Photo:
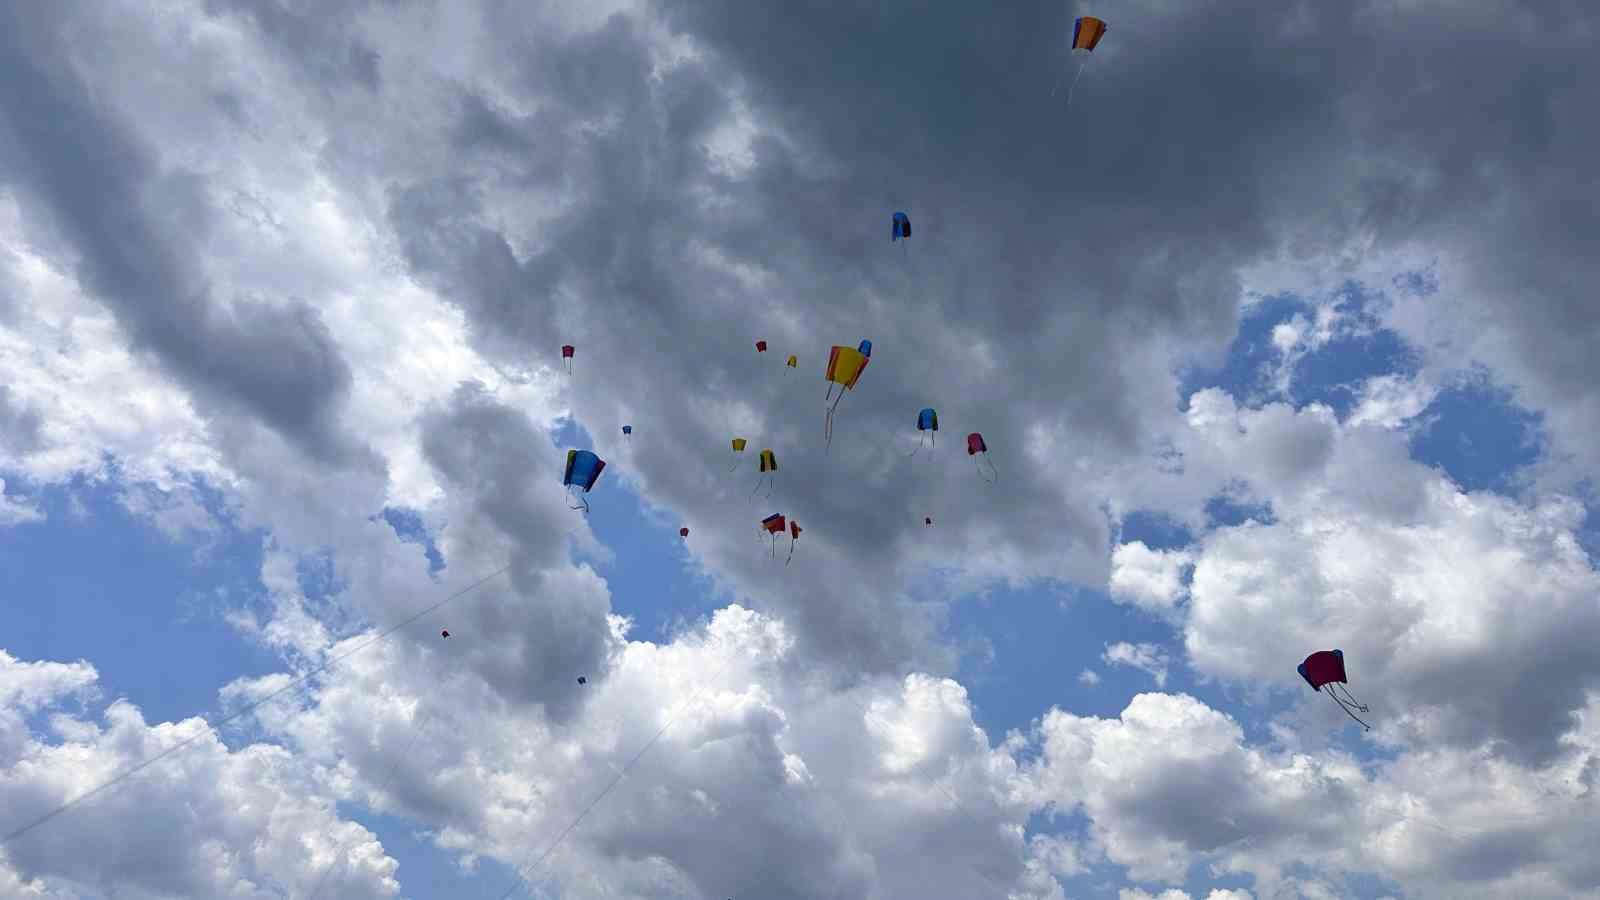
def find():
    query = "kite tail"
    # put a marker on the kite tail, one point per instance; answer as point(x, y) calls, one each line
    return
point(1058, 83)
point(1346, 699)
point(979, 467)
point(735, 464)
point(791, 550)
point(827, 430)
point(1075, 81)
point(583, 504)
point(920, 441)
point(1347, 711)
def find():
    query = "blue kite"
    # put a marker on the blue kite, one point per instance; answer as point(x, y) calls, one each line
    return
point(583, 470)
point(927, 429)
point(902, 227)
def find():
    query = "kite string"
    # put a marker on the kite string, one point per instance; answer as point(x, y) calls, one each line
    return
point(247, 708)
point(521, 875)
point(1075, 81)
point(394, 768)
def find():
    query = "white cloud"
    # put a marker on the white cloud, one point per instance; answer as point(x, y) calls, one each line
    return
point(1149, 579)
point(1148, 658)
point(205, 822)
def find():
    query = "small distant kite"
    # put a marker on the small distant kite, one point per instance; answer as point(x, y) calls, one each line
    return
point(627, 433)
point(792, 362)
point(738, 448)
point(1086, 34)
point(566, 355)
point(761, 346)
point(794, 538)
point(1325, 669)
point(927, 520)
point(769, 465)
point(775, 525)
point(902, 227)
point(444, 632)
point(975, 445)
point(683, 532)
point(582, 680)
point(844, 369)
point(927, 430)
point(583, 470)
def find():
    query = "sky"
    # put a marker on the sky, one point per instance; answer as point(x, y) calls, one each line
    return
point(1279, 336)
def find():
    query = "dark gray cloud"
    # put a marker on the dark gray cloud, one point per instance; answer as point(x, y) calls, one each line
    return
point(1050, 241)
point(316, 34)
point(551, 626)
point(133, 224)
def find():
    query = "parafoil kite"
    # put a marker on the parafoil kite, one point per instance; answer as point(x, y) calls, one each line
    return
point(794, 538)
point(844, 368)
point(583, 470)
point(566, 355)
point(975, 445)
point(1325, 669)
point(582, 680)
point(1086, 34)
point(775, 525)
point(761, 346)
point(444, 632)
point(793, 362)
point(769, 465)
point(927, 429)
point(627, 433)
point(902, 227)
point(683, 532)
point(738, 448)
point(927, 520)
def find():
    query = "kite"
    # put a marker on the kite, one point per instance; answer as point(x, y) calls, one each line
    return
point(975, 445)
point(902, 227)
point(738, 448)
point(844, 368)
point(761, 346)
point(583, 470)
point(444, 633)
point(927, 429)
point(769, 464)
point(1086, 34)
point(627, 433)
point(1325, 669)
point(794, 361)
point(582, 680)
point(927, 520)
point(566, 355)
point(683, 532)
point(775, 525)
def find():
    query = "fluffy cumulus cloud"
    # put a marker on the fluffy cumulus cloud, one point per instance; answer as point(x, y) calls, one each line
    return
point(280, 267)
point(209, 821)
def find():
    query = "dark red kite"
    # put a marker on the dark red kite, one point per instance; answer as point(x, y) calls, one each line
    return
point(1325, 669)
